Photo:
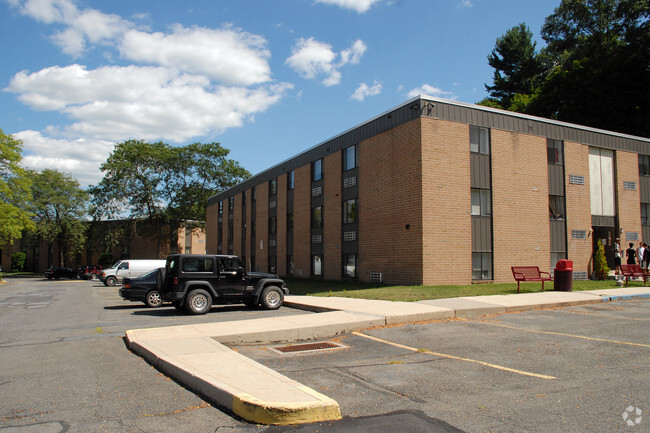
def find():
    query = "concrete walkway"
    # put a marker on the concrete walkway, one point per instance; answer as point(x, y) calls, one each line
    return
point(196, 355)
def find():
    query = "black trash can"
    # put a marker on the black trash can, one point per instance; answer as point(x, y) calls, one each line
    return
point(563, 276)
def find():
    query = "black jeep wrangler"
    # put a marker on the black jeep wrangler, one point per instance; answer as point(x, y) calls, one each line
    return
point(194, 282)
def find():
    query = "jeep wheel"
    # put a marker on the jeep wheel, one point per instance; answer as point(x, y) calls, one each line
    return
point(198, 302)
point(153, 299)
point(110, 281)
point(272, 298)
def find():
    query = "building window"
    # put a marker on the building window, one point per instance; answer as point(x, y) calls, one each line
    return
point(272, 264)
point(481, 202)
point(317, 217)
point(644, 165)
point(555, 151)
point(254, 194)
point(290, 180)
point(273, 225)
point(220, 208)
point(350, 211)
point(273, 187)
point(350, 156)
point(231, 204)
point(645, 214)
point(479, 140)
point(350, 265)
point(290, 222)
point(481, 266)
point(317, 170)
point(317, 265)
point(556, 207)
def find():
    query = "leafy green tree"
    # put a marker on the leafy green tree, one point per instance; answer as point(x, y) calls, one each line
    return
point(59, 205)
point(518, 69)
point(18, 261)
point(601, 270)
point(15, 191)
point(162, 184)
point(595, 67)
point(601, 76)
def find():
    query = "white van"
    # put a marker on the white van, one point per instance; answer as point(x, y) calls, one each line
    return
point(128, 268)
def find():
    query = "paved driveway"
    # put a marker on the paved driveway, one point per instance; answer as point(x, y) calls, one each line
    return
point(565, 369)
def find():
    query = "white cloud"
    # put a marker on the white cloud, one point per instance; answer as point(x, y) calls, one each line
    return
point(81, 26)
point(429, 90)
point(465, 4)
point(228, 55)
point(312, 59)
point(81, 158)
point(187, 83)
point(118, 103)
point(360, 6)
point(364, 90)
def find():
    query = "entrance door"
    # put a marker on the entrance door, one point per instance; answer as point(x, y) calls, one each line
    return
point(607, 237)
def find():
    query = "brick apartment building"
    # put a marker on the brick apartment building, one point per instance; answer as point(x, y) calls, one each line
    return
point(440, 192)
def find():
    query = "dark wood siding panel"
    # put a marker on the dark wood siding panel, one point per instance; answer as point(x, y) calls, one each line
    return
point(555, 179)
point(558, 236)
point(481, 234)
point(644, 189)
point(480, 171)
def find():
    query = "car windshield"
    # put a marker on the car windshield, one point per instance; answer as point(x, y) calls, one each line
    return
point(115, 264)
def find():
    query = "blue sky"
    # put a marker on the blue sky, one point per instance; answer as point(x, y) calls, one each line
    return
point(267, 79)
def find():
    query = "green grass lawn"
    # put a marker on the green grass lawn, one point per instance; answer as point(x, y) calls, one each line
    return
point(352, 289)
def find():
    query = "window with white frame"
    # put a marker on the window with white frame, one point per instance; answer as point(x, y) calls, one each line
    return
point(481, 202)
point(479, 140)
point(350, 211)
point(350, 155)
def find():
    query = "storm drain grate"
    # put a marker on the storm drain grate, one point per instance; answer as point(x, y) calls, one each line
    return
point(308, 347)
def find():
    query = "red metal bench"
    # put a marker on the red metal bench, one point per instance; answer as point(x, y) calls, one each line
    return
point(529, 273)
point(633, 271)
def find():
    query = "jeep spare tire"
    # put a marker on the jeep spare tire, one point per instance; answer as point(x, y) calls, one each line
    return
point(160, 279)
point(272, 298)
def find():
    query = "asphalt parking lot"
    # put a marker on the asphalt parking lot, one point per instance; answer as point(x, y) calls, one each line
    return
point(564, 369)
point(67, 369)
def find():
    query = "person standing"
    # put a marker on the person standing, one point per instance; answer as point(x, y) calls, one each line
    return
point(640, 254)
point(631, 254)
point(617, 256)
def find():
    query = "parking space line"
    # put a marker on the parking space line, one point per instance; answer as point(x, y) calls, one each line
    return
point(583, 337)
point(586, 313)
point(457, 358)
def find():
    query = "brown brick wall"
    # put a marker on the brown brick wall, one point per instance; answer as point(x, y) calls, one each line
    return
point(578, 205)
point(302, 220)
point(629, 202)
point(390, 191)
point(224, 228)
point(446, 203)
point(211, 227)
point(521, 232)
point(281, 237)
point(262, 227)
point(249, 227)
point(332, 217)
point(237, 247)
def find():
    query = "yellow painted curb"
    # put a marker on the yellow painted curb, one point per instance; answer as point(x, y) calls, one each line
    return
point(263, 412)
